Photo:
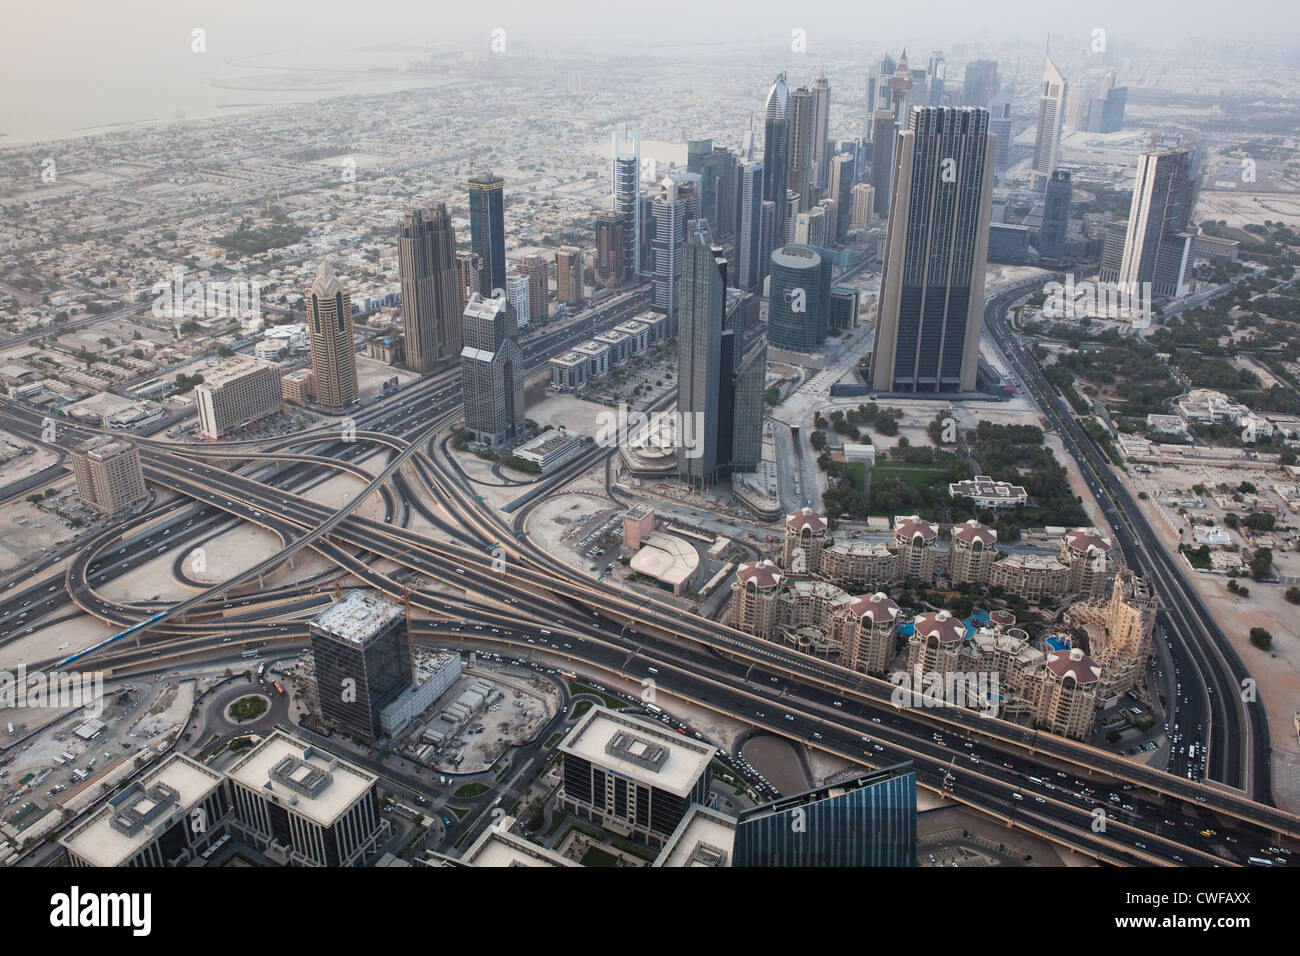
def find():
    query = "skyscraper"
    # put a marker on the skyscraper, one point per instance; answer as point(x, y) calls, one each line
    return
point(537, 269)
point(611, 248)
point(487, 230)
point(879, 96)
point(799, 175)
point(625, 193)
point(821, 145)
point(492, 373)
point(1106, 111)
point(883, 144)
point(677, 204)
point(937, 70)
point(900, 90)
point(568, 275)
point(469, 270)
point(1000, 126)
point(864, 201)
point(716, 167)
point(1051, 116)
point(932, 285)
point(517, 298)
point(799, 299)
point(1157, 245)
point(700, 366)
point(109, 477)
point(839, 186)
point(426, 253)
point(329, 328)
point(1056, 215)
point(749, 225)
point(776, 140)
point(981, 83)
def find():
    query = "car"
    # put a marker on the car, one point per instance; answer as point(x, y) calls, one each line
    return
point(788, 717)
point(875, 720)
point(1140, 846)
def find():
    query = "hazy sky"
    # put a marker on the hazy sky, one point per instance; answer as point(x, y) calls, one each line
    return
point(86, 62)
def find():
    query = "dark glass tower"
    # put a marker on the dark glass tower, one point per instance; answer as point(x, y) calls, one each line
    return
point(870, 821)
point(932, 285)
point(487, 230)
point(776, 145)
point(799, 299)
point(426, 255)
point(1056, 215)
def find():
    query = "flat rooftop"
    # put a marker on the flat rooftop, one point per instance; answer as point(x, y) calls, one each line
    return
point(233, 369)
point(704, 838)
point(325, 800)
point(665, 558)
point(357, 616)
point(644, 751)
point(99, 843)
point(497, 846)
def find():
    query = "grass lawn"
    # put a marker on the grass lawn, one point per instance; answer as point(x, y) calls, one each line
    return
point(459, 811)
point(613, 703)
point(582, 708)
point(470, 790)
point(248, 708)
point(919, 476)
point(598, 857)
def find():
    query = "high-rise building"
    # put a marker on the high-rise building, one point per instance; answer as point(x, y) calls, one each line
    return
point(884, 141)
point(611, 248)
point(1000, 126)
point(839, 186)
point(981, 83)
point(799, 156)
point(932, 285)
point(868, 821)
point(469, 271)
point(700, 378)
point(109, 477)
point(864, 200)
point(1051, 116)
point(625, 193)
point(333, 352)
point(769, 238)
point(517, 298)
point(362, 658)
point(821, 144)
point(937, 70)
point(799, 299)
point(487, 230)
point(900, 91)
point(238, 392)
point(716, 167)
point(568, 275)
point(537, 269)
point(1056, 215)
point(792, 203)
point(631, 775)
point(492, 373)
point(776, 149)
point(426, 258)
point(845, 302)
point(751, 381)
point(1157, 245)
point(1106, 110)
point(879, 95)
point(811, 227)
point(677, 204)
point(749, 226)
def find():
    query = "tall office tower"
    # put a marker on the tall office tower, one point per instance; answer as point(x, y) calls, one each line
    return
point(363, 661)
point(776, 149)
point(792, 204)
point(1056, 215)
point(625, 193)
point(492, 373)
point(981, 83)
point(799, 157)
point(333, 352)
point(1157, 245)
point(883, 143)
point(799, 299)
point(811, 227)
point(937, 70)
point(821, 143)
point(517, 298)
point(864, 201)
point(700, 377)
point(1051, 116)
point(677, 204)
point(537, 269)
point(568, 275)
point(839, 186)
point(751, 380)
point(932, 284)
point(426, 258)
point(469, 271)
point(900, 91)
point(879, 95)
point(749, 226)
point(487, 230)
point(1000, 126)
point(109, 477)
point(868, 821)
point(1106, 111)
point(611, 248)
point(832, 208)
point(716, 167)
point(768, 239)
point(1112, 250)
point(1077, 109)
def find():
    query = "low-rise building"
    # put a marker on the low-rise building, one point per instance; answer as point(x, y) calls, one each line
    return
point(989, 494)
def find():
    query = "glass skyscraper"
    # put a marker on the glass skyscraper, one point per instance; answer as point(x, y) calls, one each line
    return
point(487, 230)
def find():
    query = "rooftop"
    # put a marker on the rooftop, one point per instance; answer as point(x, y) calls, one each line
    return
point(357, 616)
point(625, 744)
point(311, 782)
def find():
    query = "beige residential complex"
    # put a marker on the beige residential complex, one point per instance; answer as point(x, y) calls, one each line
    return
point(329, 329)
point(1085, 551)
point(973, 552)
point(1119, 631)
point(297, 386)
point(109, 477)
point(916, 541)
point(239, 391)
point(1032, 576)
